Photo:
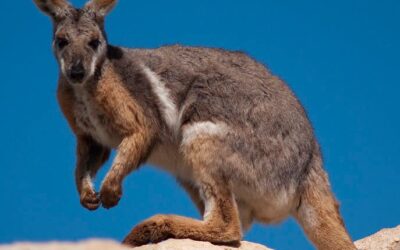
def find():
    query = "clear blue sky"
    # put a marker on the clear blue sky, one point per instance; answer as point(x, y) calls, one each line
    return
point(340, 57)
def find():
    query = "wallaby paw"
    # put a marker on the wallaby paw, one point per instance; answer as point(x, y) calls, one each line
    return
point(110, 194)
point(89, 199)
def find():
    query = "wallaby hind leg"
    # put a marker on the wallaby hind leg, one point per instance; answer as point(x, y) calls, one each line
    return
point(245, 213)
point(220, 225)
point(318, 213)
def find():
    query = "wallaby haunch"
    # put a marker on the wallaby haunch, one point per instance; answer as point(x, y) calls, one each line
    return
point(234, 135)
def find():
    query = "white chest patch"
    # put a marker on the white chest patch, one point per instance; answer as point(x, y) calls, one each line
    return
point(91, 120)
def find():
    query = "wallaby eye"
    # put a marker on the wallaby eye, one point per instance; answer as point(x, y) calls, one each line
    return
point(61, 42)
point(94, 44)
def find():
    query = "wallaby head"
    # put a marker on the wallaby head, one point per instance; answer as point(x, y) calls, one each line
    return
point(80, 43)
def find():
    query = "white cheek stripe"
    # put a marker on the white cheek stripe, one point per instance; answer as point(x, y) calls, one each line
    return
point(62, 66)
point(197, 129)
point(92, 67)
point(168, 107)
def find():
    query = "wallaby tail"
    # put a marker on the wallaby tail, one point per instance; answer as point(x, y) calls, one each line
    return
point(318, 211)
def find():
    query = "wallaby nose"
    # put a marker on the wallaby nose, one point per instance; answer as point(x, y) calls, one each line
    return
point(77, 72)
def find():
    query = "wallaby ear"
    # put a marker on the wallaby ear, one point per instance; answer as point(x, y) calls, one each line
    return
point(101, 7)
point(57, 9)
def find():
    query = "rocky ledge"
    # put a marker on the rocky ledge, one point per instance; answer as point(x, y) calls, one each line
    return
point(386, 239)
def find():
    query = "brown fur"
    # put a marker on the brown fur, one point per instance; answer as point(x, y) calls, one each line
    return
point(128, 122)
point(57, 9)
point(234, 135)
point(319, 214)
point(101, 7)
point(222, 225)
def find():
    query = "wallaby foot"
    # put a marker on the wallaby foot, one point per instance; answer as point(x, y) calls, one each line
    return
point(162, 227)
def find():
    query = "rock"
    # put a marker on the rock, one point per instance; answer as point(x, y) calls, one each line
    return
point(84, 245)
point(385, 239)
point(171, 244)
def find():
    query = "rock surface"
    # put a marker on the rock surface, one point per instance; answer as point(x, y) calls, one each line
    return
point(171, 244)
point(386, 239)
point(197, 245)
point(84, 245)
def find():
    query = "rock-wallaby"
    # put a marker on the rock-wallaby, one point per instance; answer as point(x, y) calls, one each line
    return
point(234, 135)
